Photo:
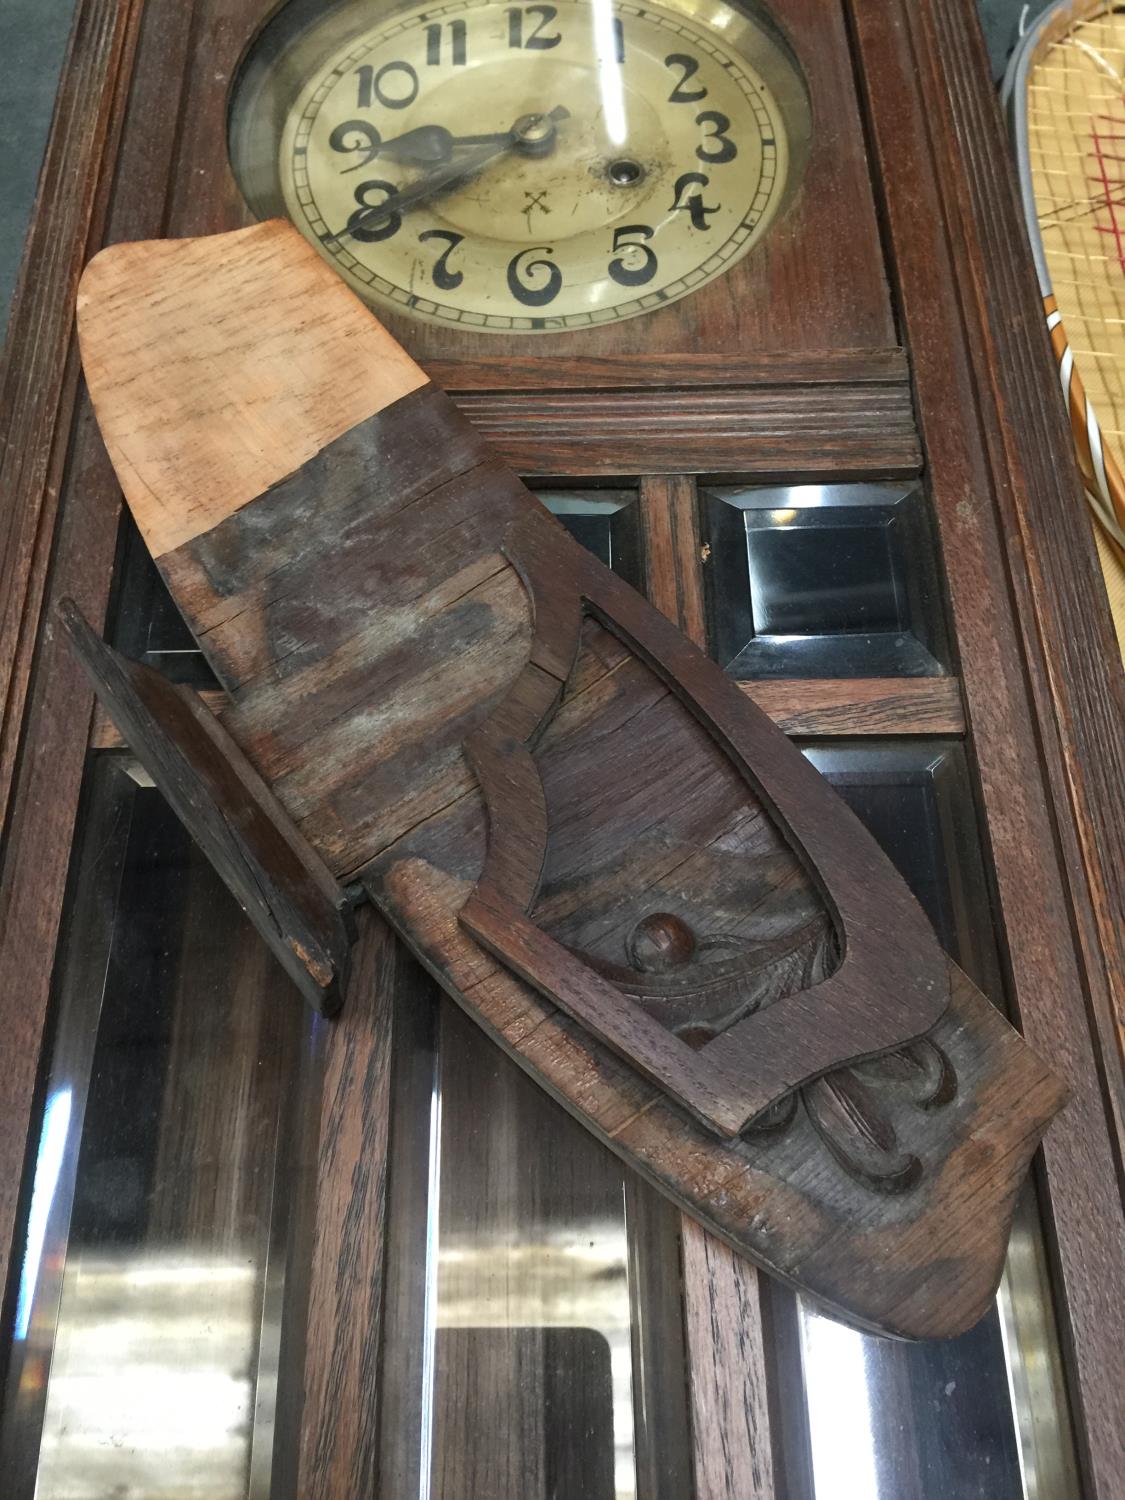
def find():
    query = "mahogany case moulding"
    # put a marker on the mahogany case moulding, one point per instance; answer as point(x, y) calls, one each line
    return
point(595, 841)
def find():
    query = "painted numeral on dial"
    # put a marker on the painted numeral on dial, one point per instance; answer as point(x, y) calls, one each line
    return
point(620, 269)
point(534, 41)
point(691, 202)
point(717, 147)
point(367, 224)
point(394, 86)
point(534, 296)
point(356, 135)
point(458, 43)
point(443, 277)
point(687, 67)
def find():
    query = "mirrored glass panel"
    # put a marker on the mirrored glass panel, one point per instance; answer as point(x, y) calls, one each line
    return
point(823, 580)
point(980, 1415)
point(145, 1358)
point(605, 522)
point(147, 625)
point(532, 1340)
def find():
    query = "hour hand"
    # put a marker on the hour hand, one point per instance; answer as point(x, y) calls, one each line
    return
point(432, 145)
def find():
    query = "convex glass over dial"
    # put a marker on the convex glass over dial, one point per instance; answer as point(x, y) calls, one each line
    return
point(519, 168)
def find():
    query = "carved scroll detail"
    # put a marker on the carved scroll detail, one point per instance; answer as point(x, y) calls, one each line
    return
point(891, 984)
point(853, 1111)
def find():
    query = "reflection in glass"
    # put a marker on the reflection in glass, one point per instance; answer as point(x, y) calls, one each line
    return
point(947, 1417)
point(154, 1230)
point(833, 580)
point(605, 522)
point(516, 1261)
point(842, 1435)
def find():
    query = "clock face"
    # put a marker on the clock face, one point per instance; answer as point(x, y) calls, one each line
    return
point(525, 168)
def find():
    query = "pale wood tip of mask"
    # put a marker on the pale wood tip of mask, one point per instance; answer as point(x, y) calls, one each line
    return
point(217, 366)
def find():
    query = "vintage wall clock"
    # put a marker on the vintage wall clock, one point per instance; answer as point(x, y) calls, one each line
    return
point(522, 169)
point(740, 289)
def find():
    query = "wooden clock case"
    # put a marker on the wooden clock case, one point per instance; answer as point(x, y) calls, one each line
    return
point(887, 327)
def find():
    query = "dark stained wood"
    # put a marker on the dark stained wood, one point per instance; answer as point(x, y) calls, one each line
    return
point(301, 914)
point(768, 430)
point(175, 126)
point(870, 1000)
point(63, 508)
point(937, 1223)
point(39, 377)
point(780, 367)
point(344, 1314)
point(294, 677)
point(670, 534)
point(1041, 736)
point(732, 1443)
point(333, 602)
point(807, 706)
point(858, 706)
point(732, 1437)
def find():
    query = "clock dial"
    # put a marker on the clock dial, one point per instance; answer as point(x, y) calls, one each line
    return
point(525, 168)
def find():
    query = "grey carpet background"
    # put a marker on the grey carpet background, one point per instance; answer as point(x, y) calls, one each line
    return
point(33, 37)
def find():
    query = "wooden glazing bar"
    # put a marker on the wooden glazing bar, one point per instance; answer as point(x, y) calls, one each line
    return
point(670, 532)
point(862, 705)
point(727, 1371)
point(339, 1416)
point(730, 1428)
point(801, 706)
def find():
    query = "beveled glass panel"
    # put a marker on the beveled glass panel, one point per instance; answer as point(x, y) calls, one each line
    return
point(605, 522)
point(147, 626)
point(983, 1414)
point(823, 580)
point(144, 1357)
point(519, 1253)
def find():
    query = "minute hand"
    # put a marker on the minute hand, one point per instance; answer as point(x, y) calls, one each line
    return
point(453, 172)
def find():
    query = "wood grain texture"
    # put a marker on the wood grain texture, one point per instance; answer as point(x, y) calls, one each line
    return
point(610, 371)
point(770, 430)
point(339, 585)
point(269, 386)
point(171, 161)
point(344, 1316)
point(670, 537)
point(728, 1379)
point(1068, 633)
point(778, 1194)
point(996, 480)
point(732, 1441)
point(58, 489)
point(301, 914)
point(861, 706)
point(39, 378)
point(806, 706)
